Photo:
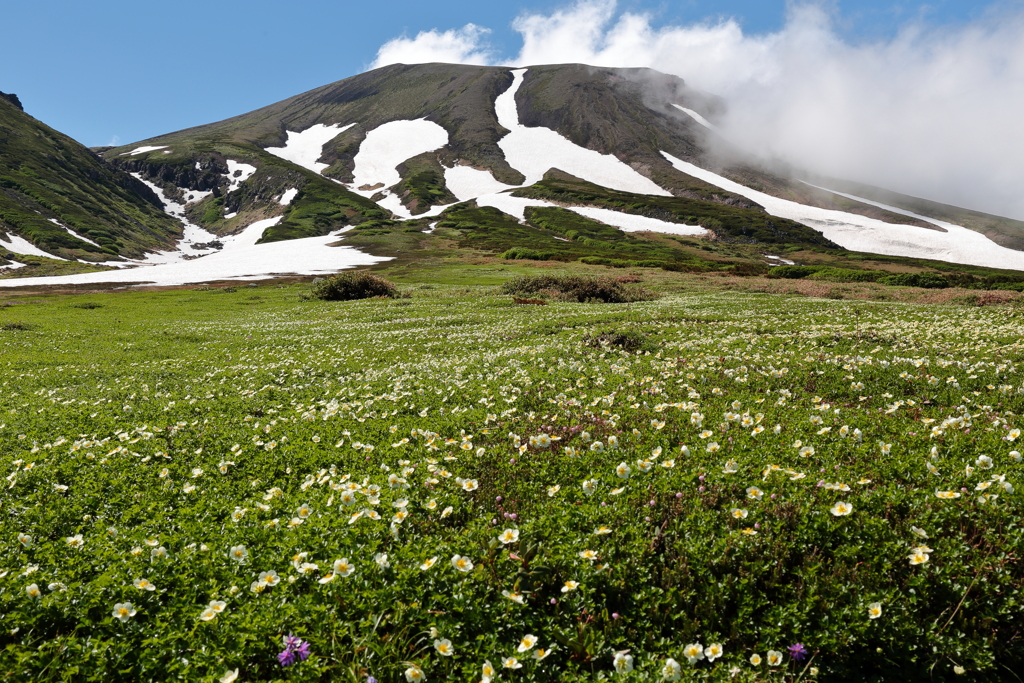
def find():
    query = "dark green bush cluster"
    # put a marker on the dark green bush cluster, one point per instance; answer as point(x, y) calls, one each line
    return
point(578, 288)
point(793, 272)
point(621, 263)
point(846, 275)
point(528, 254)
point(351, 285)
point(630, 340)
point(925, 280)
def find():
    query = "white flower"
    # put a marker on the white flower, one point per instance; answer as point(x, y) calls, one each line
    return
point(427, 564)
point(343, 567)
point(623, 662)
point(444, 647)
point(671, 671)
point(841, 509)
point(487, 672)
point(230, 676)
point(918, 556)
point(511, 663)
point(694, 652)
point(34, 592)
point(414, 674)
point(570, 586)
point(774, 658)
point(874, 610)
point(920, 532)
point(238, 553)
point(590, 486)
point(75, 541)
point(623, 471)
point(382, 560)
point(526, 643)
point(509, 536)
point(463, 564)
point(123, 611)
point(144, 585)
point(514, 597)
point(25, 540)
point(713, 651)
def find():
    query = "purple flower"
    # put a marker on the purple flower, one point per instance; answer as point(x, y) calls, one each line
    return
point(294, 648)
point(798, 652)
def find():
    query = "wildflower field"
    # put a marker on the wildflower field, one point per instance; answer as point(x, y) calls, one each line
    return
point(241, 485)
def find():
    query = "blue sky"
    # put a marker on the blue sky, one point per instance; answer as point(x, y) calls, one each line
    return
point(125, 70)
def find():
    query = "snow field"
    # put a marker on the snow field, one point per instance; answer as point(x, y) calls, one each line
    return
point(19, 245)
point(141, 150)
point(696, 117)
point(534, 151)
point(387, 146)
point(238, 173)
point(466, 182)
point(287, 197)
point(860, 233)
point(305, 148)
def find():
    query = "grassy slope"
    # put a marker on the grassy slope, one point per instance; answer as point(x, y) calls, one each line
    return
point(45, 174)
point(179, 372)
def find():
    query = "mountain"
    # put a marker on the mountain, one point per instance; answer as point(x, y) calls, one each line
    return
point(60, 200)
point(612, 166)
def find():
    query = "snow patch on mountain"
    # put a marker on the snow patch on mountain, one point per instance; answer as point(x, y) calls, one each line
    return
point(860, 233)
point(191, 234)
point(628, 222)
point(466, 182)
point(72, 232)
point(238, 173)
point(696, 117)
point(306, 147)
point(141, 150)
point(534, 151)
point(245, 260)
point(13, 265)
point(288, 196)
point(20, 245)
point(387, 146)
point(194, 196)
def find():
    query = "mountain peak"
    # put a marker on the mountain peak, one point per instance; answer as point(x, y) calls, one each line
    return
point(13, 99)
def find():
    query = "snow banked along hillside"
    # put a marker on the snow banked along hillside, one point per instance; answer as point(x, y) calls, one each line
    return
point(503, 155)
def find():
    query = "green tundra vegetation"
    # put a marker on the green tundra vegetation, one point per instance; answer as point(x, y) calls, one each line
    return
point(247, 483)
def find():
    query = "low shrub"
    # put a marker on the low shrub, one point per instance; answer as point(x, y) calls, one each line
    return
point(793, 272)
point(351, 285)
point(925, 280)
point(519, 253)
point(578, 288)
point(630, 340)
point(846, 275)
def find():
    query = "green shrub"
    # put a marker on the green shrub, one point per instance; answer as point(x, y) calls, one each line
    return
point(351, 285)
point(528, 254)
point(925, 280)
point(576, 288)
point(793, 272)
point(846, 275)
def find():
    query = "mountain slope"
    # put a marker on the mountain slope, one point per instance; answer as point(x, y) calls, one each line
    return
point(58, 198)
point(538, 162)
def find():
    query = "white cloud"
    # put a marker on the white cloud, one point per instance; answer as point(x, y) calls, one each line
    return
point(932, 112)
point(466, 45)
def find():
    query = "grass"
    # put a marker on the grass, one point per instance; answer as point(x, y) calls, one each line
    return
point(200, 421)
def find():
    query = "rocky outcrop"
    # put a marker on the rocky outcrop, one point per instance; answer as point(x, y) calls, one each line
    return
point(13, 99)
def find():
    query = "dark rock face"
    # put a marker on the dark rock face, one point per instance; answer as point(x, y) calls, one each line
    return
point(181, 175)
point(13, 99)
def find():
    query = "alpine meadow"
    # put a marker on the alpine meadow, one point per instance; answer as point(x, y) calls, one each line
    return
point(681, 346)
